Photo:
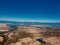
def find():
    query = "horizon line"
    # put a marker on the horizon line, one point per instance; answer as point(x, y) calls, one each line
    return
point(25, 20)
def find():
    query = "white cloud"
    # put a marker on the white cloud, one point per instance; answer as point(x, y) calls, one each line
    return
point(28, 20)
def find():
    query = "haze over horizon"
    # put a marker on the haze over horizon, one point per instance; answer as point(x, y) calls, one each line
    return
point(30, 10)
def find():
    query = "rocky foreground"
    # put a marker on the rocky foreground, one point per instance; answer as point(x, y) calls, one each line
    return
point(31, 36)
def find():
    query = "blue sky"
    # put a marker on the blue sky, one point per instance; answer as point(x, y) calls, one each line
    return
point(30, 10)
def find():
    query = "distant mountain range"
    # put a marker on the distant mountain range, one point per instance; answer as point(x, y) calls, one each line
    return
point(30, 23)
point(9, 22)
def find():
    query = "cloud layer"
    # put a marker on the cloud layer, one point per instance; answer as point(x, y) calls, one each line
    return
point(29, 20)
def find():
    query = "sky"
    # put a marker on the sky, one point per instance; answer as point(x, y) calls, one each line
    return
point(30, 10)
